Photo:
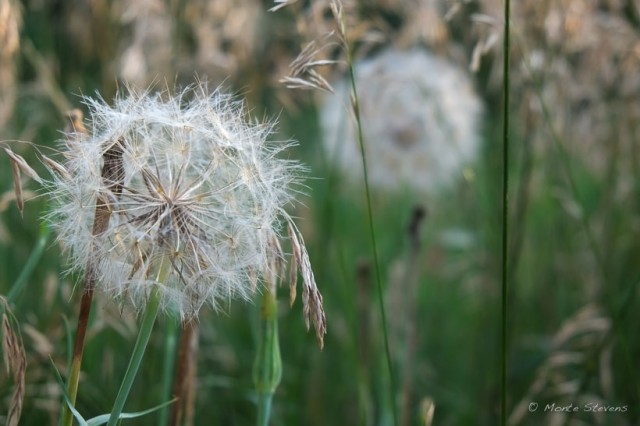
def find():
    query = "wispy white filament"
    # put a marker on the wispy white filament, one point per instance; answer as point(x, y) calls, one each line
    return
point(196, 186)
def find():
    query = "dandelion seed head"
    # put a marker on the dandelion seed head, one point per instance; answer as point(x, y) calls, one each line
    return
point(189, 187)
point(420, 118)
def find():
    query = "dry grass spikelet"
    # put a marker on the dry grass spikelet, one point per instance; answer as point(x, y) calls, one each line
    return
point(312, 307)
point(579, 345)
point(321, 28)
point(15, 361)
point(18, 166)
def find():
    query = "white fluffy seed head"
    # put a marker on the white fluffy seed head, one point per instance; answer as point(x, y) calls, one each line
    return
point(185, 180)
point(420, 118)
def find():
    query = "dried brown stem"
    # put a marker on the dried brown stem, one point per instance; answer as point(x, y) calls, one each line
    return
point(113, 177)
point(184, 380)
point(411, 337)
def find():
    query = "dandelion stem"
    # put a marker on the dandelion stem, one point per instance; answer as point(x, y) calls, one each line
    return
point(183, 384)
point(267, 370)
point(167, 366)
point(102, 215)
point(78, 349)
point(264, 408)
point(148, 319)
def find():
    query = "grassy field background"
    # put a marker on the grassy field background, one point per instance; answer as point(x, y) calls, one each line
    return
point(573, 268)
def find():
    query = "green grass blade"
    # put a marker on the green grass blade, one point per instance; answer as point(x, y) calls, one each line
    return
point(505, 213)
point(65, 396)
point(148, 320)
point(104, 418)
point(168, 366)
point(30, 266)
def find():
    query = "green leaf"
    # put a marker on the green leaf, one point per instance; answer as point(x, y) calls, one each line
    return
point(104, 418)
point(75, 412)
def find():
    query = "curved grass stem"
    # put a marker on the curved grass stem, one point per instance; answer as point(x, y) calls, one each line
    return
point(148, 320)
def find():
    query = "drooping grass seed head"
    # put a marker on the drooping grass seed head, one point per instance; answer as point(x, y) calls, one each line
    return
point(195, 196)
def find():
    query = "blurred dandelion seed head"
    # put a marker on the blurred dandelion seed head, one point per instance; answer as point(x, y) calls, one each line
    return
point(420, 117)
point(190, 182)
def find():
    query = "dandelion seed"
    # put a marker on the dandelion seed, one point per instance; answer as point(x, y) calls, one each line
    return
point(190, 187)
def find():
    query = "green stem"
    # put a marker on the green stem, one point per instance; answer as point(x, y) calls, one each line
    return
point(356, 110)
point(78, 349)
point(167, 367)
point(148, 319)
point(267, 369)
point(31, 264)
point(505, 212)
point(264, 409)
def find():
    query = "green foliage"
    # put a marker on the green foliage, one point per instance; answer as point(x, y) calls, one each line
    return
point(574, 246)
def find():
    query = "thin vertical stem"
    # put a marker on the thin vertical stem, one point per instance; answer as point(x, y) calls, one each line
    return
point(184, 374)
point(410, 305)
point(148, 319)
point(267, 369)
point(356, 110)
point(78, 350)
point(112, 178)
point(505, 212)
point(364, 342)
point(168, 367)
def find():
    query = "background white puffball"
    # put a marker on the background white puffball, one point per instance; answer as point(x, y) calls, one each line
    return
point(420, 117)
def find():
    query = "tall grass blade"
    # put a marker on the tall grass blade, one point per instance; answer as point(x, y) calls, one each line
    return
point(30, 266)
point(505, 212)
point(148, 319)
point(167, 366)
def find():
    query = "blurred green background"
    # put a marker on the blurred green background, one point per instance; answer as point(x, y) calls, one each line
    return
point(573, 316)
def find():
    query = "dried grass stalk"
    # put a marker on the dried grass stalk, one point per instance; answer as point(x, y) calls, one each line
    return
point(15, 361)
point(311, 297)
point(18, 164)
